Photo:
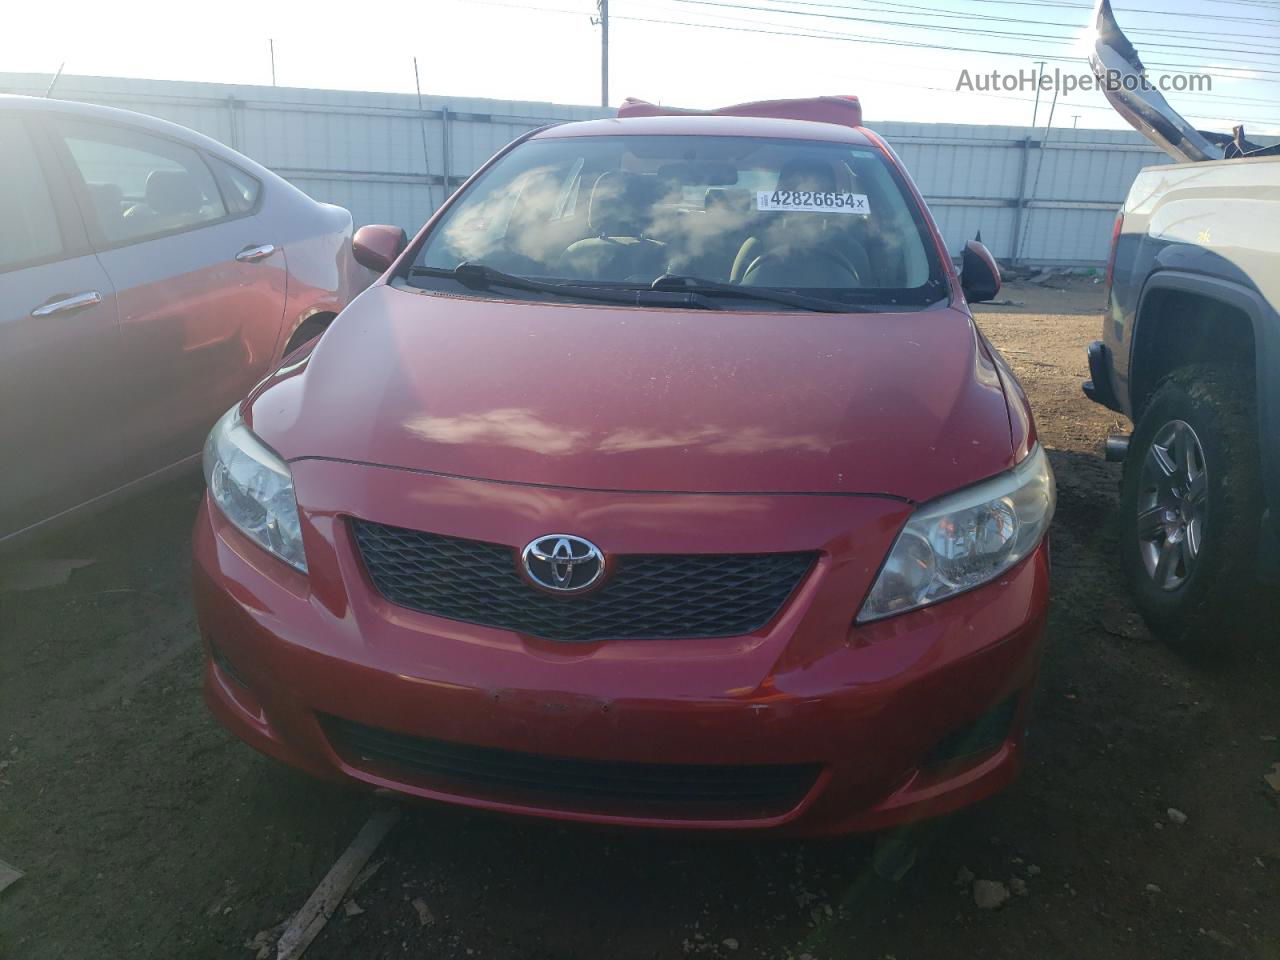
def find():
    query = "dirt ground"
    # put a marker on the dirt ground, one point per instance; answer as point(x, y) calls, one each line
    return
point(147, 832)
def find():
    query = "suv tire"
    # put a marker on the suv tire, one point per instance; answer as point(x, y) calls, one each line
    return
point(1191, 508)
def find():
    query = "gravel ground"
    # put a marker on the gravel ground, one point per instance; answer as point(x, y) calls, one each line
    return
point(1140, 827)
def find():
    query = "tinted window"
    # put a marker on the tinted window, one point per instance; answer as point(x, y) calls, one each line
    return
point(808, 216)
point(28, 224)
point(239, 189)
point(140, 186)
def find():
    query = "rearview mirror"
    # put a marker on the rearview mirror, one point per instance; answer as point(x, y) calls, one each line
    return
point(377, 245)
point(699, 173)
point(979, 273)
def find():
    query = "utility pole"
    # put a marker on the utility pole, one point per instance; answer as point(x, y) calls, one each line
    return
point(1075, 121)
point(604, 52)
point(1035, 112)
point(272, 44)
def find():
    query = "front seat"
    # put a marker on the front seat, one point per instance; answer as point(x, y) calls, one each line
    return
point(710, 242)
point(619, 213)
point(172, 199)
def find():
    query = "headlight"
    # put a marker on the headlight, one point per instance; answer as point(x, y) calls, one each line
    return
point(254, 488)
point(965, 539)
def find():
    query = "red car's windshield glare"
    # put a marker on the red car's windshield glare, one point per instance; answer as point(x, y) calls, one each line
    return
point(821, 218)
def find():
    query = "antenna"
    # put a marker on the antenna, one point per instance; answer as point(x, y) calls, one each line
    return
point(422, 120)
point(1026, 225)
point(49, 92)
point(1035, 111)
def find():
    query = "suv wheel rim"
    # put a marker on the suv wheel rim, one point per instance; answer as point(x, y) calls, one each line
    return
point(1171, 505)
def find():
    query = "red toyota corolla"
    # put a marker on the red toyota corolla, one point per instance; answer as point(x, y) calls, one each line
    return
point(663, 479)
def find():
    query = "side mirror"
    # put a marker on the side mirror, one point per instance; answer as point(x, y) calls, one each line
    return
point(979, 273)
point(377, 245)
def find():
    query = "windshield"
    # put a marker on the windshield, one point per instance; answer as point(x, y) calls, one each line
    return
point(823, 219)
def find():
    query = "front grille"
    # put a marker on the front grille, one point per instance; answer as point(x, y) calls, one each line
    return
point(667, 790)
point(647, 597)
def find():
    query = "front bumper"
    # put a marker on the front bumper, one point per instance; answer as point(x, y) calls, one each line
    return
point(875, 711)
point(1100, 388)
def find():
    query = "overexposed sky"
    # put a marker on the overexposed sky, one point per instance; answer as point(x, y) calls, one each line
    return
point(685, 52)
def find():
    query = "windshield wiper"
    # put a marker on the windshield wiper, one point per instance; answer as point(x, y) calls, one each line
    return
point(478, 276)
point(670, 281)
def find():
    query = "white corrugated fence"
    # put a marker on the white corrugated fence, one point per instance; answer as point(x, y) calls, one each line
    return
point(1039, 197)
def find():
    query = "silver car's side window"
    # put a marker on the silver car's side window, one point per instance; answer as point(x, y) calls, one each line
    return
point(239, 189)
point(29, 231)
point(141, 186)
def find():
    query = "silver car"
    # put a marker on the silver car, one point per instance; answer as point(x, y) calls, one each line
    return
point(149, 276)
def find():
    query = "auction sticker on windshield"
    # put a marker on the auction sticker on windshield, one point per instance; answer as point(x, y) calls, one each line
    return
point(812, 201)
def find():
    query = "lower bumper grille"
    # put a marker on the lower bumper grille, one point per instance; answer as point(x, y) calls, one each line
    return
point(984, 734)
point(661, 790)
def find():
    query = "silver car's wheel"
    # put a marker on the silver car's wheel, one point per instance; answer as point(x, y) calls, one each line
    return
point(1171, 505)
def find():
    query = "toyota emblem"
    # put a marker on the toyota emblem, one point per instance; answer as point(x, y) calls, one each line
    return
point(563, 563)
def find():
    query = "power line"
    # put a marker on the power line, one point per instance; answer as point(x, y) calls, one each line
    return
point(1218, 99)
point(1020, 35)
point(1143, 10)
point(644, 4)
point(1270, 102)
point(848, 39)
point(866, 40)
point(917, 10)
point(1226, 69)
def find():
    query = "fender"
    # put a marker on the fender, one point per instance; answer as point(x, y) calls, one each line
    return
point(329, 308)
point(1022, 425)
point(1265, 322)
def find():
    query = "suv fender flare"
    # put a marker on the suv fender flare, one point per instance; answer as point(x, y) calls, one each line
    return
point(1265, 321)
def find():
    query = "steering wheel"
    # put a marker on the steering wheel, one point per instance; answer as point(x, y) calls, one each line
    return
point(511, 261)
point(842, 271)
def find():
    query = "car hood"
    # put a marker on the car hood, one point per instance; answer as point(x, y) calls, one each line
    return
point(631, 399)
point(1120, 72)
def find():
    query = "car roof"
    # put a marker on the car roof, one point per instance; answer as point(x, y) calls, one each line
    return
point(712, 126)
point(142, 121)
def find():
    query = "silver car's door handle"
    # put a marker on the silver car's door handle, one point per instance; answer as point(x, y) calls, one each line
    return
point(86, 299)
point(259, 251)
